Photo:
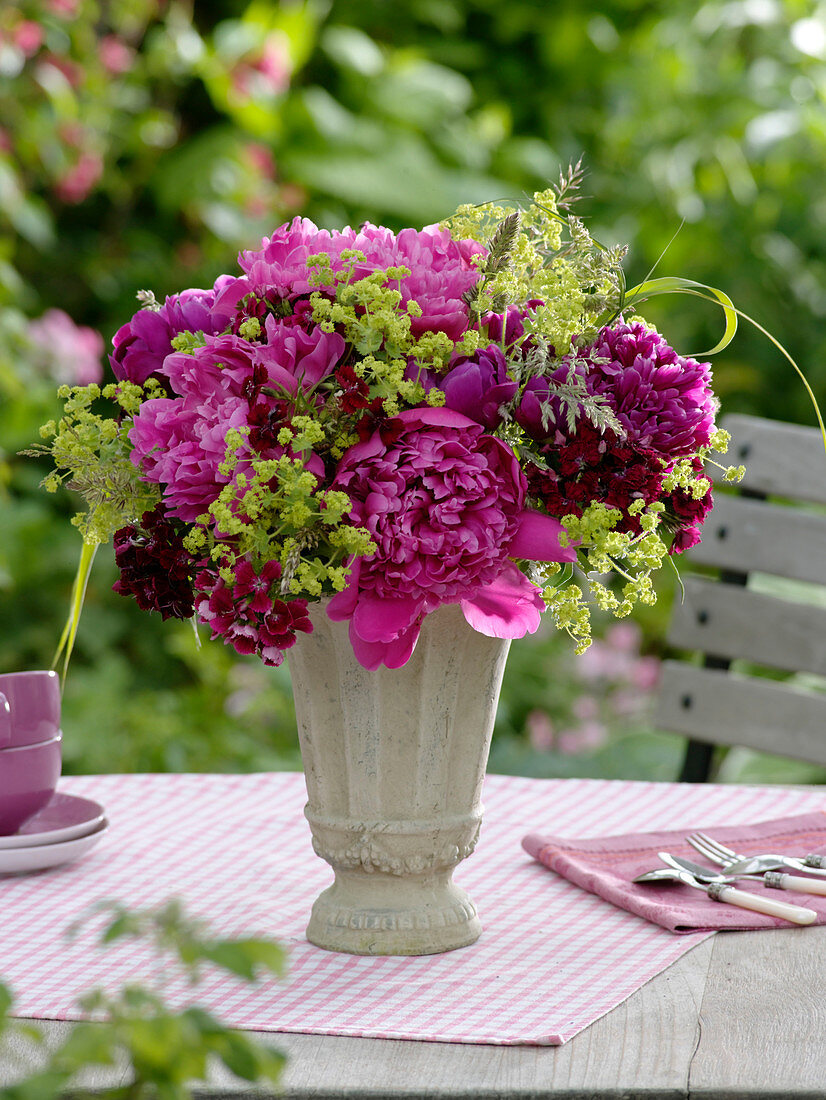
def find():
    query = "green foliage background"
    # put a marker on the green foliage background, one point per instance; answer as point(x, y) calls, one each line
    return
point(143, 143)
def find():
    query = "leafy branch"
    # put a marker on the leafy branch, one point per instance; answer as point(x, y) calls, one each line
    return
point(165, 1051)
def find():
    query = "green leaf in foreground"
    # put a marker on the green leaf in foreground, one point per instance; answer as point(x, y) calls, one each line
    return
point(166, 1052)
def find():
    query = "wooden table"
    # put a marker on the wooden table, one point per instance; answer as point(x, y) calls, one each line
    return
point(741, 1016)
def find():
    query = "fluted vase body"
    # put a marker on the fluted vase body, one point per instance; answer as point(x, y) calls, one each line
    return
point(394, 762)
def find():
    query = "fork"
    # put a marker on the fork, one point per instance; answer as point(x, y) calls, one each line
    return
point(769, 866)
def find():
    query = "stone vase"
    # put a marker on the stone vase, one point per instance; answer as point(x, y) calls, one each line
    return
point(394, 762)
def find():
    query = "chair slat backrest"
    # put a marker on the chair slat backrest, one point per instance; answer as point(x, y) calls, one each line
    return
point(728, 619)
point(709, 704)
point(780, 459)
point(744, 536)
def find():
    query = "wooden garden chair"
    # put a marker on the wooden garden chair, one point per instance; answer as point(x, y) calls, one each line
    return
point(773, 525)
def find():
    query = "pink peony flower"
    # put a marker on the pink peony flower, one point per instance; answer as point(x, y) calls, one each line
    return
point(176, 445)
point(307, 355)
point(444, 503)
point(441, 269)
point(180, 442)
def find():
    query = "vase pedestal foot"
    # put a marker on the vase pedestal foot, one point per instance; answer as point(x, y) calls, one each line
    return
point(376, 914)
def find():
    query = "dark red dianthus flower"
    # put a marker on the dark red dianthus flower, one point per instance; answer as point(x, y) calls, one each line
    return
point(596, 466)
point(154, 566)
point(249, 614)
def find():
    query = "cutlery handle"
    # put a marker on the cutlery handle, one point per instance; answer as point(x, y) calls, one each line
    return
point(815, 861)
point(802, 885)
point(732, 896)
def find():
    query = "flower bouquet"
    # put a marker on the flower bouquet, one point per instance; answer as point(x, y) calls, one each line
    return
point(388, 453)
point(472, 413)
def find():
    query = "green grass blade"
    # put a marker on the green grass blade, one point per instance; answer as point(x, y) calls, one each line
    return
point(675, 285)
point(67, 638)
point(672, 284)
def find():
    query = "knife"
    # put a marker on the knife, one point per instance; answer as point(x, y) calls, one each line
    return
point(721, 891)
point(775, 880)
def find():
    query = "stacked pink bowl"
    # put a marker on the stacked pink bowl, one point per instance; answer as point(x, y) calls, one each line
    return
point(30, 745)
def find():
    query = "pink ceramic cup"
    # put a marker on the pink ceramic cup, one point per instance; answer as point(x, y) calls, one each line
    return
point(28, 777)
point(29, 708)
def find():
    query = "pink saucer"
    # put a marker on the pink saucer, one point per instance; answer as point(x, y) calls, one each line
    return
point(64, 817)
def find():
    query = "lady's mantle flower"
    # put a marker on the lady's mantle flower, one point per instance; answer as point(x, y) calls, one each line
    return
point(248, 614)
point(686, 513)
point(444, 503)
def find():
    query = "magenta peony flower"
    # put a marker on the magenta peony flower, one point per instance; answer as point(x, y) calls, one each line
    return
point(545, 418)
point(444, 503)
point(142, 344)
point(478, 386)
point(177, 446)
point(663, 401)
point(511, 320)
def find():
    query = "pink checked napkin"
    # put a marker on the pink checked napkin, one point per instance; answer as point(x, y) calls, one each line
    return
point(607, 866)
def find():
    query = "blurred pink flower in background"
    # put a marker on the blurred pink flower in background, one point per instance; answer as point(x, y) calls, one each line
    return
point(76, 184)
point(67, 9)
point(66, 352)
point(586, 708)
point(616, 685)
point(625, 637)
point(115, 56)
point(584, 738)
point(540, 730)
point(264, 73)
point(625, 702)
point(260, 158)
point(614, 657)
point(28, 37)
point(645, 673)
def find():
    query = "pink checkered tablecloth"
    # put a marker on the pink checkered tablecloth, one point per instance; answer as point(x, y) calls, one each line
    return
point(236, 849)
